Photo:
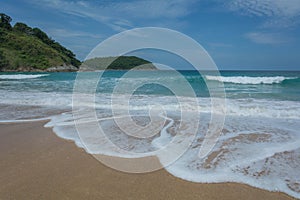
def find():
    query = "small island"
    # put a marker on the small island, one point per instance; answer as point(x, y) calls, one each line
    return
point(116, 63)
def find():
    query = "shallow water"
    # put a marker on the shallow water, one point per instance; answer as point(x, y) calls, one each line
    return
point(260, 140)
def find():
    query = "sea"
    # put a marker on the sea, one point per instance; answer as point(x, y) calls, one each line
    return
point(258, 145)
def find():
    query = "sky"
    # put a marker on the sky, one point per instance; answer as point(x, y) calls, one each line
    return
point(237, 34)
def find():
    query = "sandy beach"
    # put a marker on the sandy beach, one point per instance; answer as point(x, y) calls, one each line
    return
point(36, 164)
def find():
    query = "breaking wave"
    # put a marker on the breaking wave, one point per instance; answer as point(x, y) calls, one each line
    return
point(22, 76)
point(249, 80)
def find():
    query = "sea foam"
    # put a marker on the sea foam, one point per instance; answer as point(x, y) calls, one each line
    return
point(22, 76)
point(260, 151)
point(248, 79)
point(259, 145)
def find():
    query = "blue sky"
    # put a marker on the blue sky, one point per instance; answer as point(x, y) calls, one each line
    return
point(238, 34)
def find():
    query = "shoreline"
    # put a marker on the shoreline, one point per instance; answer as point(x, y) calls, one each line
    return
point(37, 164)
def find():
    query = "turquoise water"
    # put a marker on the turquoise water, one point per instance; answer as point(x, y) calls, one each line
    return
point(238, 84)
point(259, 143)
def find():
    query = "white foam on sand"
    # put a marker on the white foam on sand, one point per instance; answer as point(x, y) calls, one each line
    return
point(260, 144)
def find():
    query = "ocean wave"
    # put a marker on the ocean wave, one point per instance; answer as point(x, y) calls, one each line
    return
point(248, 79)
point(260, 152)
point(250, 107)
point(259, 144)
point(22, 76)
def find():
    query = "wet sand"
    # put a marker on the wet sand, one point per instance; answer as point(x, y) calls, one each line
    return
point(36, 164)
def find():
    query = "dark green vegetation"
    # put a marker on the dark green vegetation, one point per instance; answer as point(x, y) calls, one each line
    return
point(23, 48)
point(117, 63)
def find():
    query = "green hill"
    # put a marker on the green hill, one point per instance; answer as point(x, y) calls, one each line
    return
point(23, 48)
point(117, 63)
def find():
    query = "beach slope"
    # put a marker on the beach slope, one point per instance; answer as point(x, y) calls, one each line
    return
point(36, 164)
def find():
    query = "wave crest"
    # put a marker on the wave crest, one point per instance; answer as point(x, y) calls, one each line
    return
point(22, 76)
point(248, 79)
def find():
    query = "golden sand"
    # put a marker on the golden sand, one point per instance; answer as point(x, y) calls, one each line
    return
point(36, 164)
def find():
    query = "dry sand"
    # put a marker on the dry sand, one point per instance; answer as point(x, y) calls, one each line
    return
point(36, 164)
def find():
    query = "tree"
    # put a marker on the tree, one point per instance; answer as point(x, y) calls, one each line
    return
point(23, 28)
point(3, 61)
point(42, 36)
point(5, 21)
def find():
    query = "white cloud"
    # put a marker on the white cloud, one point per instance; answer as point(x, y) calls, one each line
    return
point(64, 33)
point(277, 17)
point(267, 38)
point(278, 13)
point(156, 9)
point(119, 15)
point(280, 8)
